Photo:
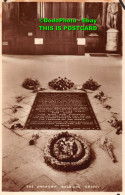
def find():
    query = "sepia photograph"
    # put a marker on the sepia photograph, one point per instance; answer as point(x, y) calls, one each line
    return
point(62, 96)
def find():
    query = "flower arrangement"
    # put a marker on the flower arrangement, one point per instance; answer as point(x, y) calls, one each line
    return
point(15, 108)
point(34, 139)
point(16, 126)
point(107, 146)
point(67, 152)
point(19, 98)
point(61, 83)
point(101, 96)
point(30, 84)
point(116, 123)
point(91, 85)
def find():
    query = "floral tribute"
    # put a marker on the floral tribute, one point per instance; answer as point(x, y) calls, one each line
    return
point(91, 85)
point(67, 152)
point(30, 84)
point(61, 83)
point(116, 123)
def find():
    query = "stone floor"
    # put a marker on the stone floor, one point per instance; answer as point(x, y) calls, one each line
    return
point(23, 166)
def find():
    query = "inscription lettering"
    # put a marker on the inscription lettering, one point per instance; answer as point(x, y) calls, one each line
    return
point(62, 110)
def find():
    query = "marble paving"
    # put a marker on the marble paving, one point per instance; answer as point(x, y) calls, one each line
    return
point(23, 166)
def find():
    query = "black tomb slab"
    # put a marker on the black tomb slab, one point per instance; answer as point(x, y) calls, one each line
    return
point(61, 110)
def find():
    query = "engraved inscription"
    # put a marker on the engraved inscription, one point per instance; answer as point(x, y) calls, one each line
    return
point(61, 111)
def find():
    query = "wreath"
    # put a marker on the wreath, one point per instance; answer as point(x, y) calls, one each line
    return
point(67, 152)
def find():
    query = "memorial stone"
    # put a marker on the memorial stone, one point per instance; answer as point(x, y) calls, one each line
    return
point(66, 110)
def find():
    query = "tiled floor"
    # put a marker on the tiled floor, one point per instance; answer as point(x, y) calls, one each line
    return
point(24, 168)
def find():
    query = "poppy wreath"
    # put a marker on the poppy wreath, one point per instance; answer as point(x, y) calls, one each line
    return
point(67, 152)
